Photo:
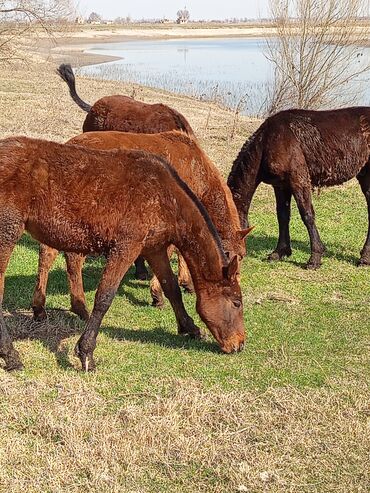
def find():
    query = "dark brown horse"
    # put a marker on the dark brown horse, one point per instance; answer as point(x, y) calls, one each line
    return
point(194, 167)
point(125, 114)
point(297, 150)
point(118, 204)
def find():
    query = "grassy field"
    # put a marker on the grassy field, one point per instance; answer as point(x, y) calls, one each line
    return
point(164, 413)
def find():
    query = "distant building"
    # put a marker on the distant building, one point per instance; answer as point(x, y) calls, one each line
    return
point(79, 20)
point(183, 16)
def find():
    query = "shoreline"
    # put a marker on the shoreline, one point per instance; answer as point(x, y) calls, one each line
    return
point(71, 48)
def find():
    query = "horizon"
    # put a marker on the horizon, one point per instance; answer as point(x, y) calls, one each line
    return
point(146, 10)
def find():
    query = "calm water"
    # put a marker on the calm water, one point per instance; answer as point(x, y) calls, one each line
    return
point(226, 70)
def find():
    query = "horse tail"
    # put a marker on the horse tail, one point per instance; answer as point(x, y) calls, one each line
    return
point(66, 73)
point(181, 123)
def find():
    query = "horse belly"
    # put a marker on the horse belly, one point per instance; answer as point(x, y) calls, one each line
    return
point(336, 172)
point(67, 236)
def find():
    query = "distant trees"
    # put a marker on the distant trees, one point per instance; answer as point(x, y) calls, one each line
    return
point(21, 18)
point(315, 52)
point(94, 18)
point(123, 20)
point(183, 16)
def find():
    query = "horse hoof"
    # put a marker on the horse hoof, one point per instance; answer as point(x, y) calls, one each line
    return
point(188, 288)
point(81, 311)
point(192, 331)
point(313, 266)
point(12, 361)
point(39, 314)
point(87, 360)
point(273, 257)
point(363, 263)
point(14, 366)
point(142, 275)
point(158, 304)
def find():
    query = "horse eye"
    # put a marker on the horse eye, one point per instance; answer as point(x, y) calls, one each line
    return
point(237, 303)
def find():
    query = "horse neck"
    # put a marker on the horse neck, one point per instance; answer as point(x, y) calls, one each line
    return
point(246, 164)
point(219, 202)
point(199, 243)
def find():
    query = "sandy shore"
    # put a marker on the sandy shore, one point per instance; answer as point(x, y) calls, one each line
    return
point(71, 47)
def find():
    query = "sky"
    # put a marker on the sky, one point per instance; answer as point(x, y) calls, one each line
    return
point(199, 9)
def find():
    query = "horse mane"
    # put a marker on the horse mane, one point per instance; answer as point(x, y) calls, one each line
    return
point(187, 190)
point(181, 122)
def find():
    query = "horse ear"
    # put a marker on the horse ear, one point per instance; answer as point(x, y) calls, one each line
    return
point(245, 232)
point(231, 270)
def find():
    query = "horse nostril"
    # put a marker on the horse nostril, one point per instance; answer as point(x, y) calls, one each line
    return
point(241, 347)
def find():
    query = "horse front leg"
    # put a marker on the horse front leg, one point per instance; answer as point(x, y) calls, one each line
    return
point(75, 263)
point(160, 265)
point(364, 180)
point(47, 256)
point(117, 265)
point(283, 201)
point(302, 195)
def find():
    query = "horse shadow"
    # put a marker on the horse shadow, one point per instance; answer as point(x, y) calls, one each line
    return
point(19, 287)
point(62, 325)
point(261, 245)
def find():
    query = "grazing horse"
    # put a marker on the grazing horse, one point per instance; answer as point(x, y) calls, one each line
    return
point(294, 151)
point(194, 167)
point(125, 114)
point(118, 204)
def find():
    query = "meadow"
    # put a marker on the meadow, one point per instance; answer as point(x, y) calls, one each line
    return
point(165, 413)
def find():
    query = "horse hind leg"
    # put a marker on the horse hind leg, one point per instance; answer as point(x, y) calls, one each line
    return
point(302, 193)
point(47, 256)
point(161, 267)
point(11, 229)
point(75, 263)
point(283, 201)
point(184, 276)
point(141, 272)
point(364, 180)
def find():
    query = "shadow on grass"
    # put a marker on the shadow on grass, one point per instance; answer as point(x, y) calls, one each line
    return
point(62, 325)
point(161, 337)
point(59, 326)
point(19, 288)
point(257, 245)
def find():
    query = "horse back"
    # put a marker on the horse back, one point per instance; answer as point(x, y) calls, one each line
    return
point(125, 114)
point(330, 144)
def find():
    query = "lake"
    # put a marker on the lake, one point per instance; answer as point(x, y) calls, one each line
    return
point(227, 70)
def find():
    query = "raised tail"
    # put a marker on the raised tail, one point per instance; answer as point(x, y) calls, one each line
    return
point(66, 73)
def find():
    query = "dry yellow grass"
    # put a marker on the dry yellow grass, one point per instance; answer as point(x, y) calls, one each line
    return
point(59, 434)
point(64, 437)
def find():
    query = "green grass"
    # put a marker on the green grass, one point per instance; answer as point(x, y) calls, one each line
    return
point(304, 328)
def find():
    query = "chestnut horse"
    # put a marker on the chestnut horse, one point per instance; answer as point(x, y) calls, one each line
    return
point(294, 151)
point(194, 167)
point(125, 114)
point(117, 204)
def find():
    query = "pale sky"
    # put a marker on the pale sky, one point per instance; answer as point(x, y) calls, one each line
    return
point(199, 9)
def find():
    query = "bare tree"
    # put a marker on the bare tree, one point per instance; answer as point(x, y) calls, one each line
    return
point(94, 18)
point(20, 19)
point(316, 52)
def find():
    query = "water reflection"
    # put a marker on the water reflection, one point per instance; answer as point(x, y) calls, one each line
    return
point(225, 70)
